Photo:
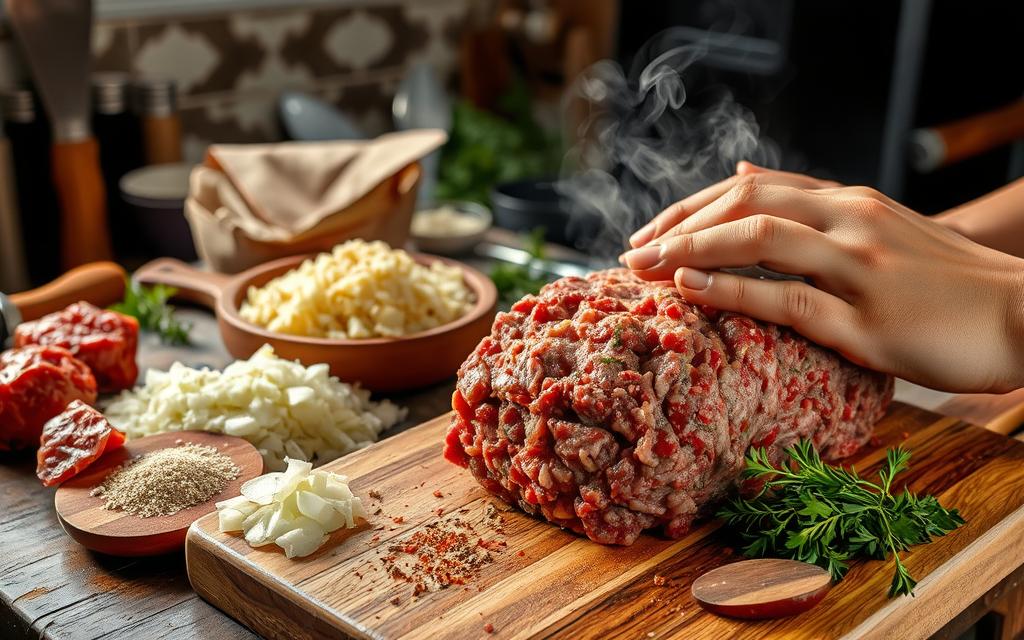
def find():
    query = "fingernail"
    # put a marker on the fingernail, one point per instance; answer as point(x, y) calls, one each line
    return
point(644, 257)
point(622, 260)
point(693, 279)
point(644, 235)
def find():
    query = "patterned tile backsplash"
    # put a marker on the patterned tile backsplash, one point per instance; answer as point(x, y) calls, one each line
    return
point(230, 68)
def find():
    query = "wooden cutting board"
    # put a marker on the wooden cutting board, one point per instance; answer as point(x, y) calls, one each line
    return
point(549, 583)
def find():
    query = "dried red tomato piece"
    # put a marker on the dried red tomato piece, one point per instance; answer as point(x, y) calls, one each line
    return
point(104, 340)
point(36, 383)
point(72, 440)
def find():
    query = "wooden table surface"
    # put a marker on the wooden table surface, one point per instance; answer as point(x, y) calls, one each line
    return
point(50, 587)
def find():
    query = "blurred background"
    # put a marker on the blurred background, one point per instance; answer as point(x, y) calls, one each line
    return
point(872, 92)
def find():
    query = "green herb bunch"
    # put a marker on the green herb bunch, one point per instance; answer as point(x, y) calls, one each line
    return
point(149, 306)
point(814, 512)
point(485, 149)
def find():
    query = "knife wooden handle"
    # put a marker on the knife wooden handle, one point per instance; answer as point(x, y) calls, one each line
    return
point(101, 283)
point(76, 175)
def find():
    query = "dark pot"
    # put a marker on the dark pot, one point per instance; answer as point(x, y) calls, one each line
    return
point(528, 204)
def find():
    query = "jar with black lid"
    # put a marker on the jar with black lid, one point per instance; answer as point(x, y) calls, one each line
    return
point(119, 135)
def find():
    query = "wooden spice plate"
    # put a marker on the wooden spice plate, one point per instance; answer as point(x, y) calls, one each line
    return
point(117, 533)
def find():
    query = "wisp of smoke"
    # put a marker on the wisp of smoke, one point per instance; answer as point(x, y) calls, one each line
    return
point(644, 147)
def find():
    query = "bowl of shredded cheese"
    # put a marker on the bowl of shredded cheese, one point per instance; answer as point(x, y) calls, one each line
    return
point(385, 318)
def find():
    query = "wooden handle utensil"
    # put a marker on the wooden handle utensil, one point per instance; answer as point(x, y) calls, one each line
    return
point(101, 283)
point(76, 175)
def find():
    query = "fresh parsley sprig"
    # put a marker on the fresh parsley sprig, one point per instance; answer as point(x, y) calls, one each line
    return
point(149, 306)
point(814, 512)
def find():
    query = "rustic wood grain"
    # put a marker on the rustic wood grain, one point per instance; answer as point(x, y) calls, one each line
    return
point(567, 586)
point(115, 532)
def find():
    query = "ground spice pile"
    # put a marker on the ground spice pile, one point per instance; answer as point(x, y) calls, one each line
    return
point(164, 482)
point(444, 553)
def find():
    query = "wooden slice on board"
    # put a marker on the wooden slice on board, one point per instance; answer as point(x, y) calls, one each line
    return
point(765, 588)
point(85, 519)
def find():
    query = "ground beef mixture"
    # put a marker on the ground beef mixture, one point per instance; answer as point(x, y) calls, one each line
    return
point(609, 405)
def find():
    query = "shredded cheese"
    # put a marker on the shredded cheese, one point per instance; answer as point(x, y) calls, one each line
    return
point(359, 290)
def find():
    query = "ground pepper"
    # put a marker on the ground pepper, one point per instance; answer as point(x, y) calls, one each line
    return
point(164, 482)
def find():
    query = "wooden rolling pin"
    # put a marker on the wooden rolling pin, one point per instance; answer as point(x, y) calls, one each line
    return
point(101, 283)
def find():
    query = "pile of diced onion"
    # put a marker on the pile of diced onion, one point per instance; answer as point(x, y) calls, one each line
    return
point(296, 510)
point(280, 406)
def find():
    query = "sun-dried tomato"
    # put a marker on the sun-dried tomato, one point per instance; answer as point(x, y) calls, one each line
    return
point(71, 442)
point(36, 383)
point(104, 340)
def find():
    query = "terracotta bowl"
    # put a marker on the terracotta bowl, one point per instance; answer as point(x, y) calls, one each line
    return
point(379, 364)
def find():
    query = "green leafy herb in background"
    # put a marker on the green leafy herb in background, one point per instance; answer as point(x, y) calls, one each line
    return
point(825, 515)
point(485, 149)
point(149, 306)
point(514, 281)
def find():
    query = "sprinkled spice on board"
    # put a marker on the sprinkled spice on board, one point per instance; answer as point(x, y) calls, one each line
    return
point(441, 554)
point(164, 482)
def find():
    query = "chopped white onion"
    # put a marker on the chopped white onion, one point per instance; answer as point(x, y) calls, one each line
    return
point(296, 509)
point(282, 407)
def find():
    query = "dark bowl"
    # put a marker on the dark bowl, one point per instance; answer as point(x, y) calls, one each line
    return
point(528, 204)
point(156, 197)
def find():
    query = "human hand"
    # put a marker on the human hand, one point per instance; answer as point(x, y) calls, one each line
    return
point(892, 290)
point(677, 212)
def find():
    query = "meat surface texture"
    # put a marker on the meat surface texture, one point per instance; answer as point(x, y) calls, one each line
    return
point(609, 405)
point(104, 340)
point(36, 383)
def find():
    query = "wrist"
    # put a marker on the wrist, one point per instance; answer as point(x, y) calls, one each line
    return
point(952, 221)
point(1014, 323)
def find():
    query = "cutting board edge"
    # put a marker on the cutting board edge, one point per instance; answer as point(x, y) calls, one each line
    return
point(1008, 534)
point(240, 603)
point(240, 600)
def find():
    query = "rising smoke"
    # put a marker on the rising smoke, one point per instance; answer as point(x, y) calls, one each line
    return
point(644, 144)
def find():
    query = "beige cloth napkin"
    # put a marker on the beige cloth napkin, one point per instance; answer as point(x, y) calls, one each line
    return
point(251, 203)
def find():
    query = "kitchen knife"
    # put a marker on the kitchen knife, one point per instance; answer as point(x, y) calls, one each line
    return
point(100, 283)
point(55, 36)
point(524, 258)
point(561, 268)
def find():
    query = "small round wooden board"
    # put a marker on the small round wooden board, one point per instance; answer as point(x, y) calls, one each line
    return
point(84, 518)
point(765, 588)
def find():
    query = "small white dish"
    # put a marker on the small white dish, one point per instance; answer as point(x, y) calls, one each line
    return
point(450, 228)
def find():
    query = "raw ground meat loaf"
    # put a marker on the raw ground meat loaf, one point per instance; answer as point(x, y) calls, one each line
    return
point(104, 340)
point(609, 405)
point(36, 383)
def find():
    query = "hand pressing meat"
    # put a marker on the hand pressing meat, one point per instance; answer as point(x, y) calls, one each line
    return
point(892, 290)
point(610, 405)
point(104, 340)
